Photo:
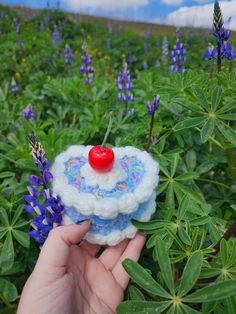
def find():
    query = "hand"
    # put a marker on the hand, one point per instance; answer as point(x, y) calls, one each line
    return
point(70, 279)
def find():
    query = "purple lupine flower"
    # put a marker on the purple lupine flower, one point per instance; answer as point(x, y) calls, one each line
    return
point(178, 56)
point(14, 87)
point(153, 107)
point(47, 19)
point(42, 25)
point(145, 65)
point(226, 51)
point(108, 44)
point(130, 58)
point(28, 113)
point(56, 36)
point(211, 52)
point(86, 69)
point(17, 25)
point(165, 51)
point(125, 85)
point(109, 25)
point(68, 54)
point(49, 215)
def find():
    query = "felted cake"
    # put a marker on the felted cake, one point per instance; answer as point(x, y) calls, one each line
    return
point(110, 199)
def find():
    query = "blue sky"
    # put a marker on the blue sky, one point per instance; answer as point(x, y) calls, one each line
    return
point(175, 12)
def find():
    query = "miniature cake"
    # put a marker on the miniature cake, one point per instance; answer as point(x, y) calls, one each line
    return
point(110, 199)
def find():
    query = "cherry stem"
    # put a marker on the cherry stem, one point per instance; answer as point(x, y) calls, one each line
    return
point(107, 132)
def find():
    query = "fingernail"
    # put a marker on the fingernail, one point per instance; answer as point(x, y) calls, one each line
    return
point(81, 222)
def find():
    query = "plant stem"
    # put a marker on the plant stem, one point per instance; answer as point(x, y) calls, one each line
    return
point(149, 141)
point(107, 132)
point(218, 57)
point(228, 234)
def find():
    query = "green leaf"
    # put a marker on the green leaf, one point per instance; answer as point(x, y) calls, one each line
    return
point(151, 225)
point(188, 310)
point(224, 251)
point(170, 200)
point(183, 235)
point(191, 159)
point(183, 207)
point(164, 263)
point(201, 97)
point(226, 131)
point(194, 195)
point(21, 237)
point(8, 290)
point(214, 292)
point(227, 116)
point(216, 98)
point(7, 253)
point(206, 166)
point(191, 273)
point(207, 129)
point(199, 221)
point(6, 174)
point(145, 307)
point(187, 176)
point(17, 214)
point(144, 279)
point(4, 217)
point(189, 123)
point(174, 164)
point(135, 293)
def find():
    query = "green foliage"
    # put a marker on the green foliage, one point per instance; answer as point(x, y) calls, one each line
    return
point(194, 142)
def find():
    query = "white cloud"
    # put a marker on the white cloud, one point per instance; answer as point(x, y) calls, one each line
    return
point(172, 2)
point(104, 5)
point(201, 15)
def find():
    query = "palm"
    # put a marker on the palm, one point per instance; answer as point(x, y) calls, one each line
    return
point(98, 286)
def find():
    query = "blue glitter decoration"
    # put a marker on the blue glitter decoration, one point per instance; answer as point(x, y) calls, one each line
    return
point(131, 165)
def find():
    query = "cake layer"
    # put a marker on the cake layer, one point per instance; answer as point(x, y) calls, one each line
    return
point(112, 231)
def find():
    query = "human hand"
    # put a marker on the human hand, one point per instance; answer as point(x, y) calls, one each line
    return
point(70, 279)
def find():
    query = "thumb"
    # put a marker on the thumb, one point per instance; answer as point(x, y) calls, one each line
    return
point(55, 251)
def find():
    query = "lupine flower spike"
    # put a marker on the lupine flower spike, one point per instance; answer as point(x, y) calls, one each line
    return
point(56, 36)
point(165, 51)
point(47, 214)
point(151, 109)
point(14, 87)
point(223, 49)
point(86, 69)
point(125, 87)
point(28, 113)
point(68, 54)
point(178, 56)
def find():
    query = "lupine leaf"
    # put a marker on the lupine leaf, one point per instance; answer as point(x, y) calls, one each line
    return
point(164, 263)
point(201, 97)
point(191, 273)
point(189, 123)
point(226, 131)
point(207, 129)
point(7, 253)
point(8, 290)
point(216, 98)
point(183, 207)
point(135, 293)
point(139, 275)
point(214, 292)
point(144, 307)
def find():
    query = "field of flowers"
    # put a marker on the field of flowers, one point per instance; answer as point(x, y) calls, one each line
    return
point(175, 97)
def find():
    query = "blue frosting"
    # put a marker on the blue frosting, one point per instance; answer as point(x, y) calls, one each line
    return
point(106, 226)
point(133, 167)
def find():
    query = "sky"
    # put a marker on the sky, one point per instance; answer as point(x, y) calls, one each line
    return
point(197, 13)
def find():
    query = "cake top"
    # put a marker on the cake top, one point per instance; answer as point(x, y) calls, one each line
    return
point(130, 182)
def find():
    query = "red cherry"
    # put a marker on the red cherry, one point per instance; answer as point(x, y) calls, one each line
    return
point(100, 159)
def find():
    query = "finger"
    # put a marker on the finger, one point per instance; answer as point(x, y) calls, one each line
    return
point(112, 254)
point(133, 252)
point(55, 251)
point(91, 249)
